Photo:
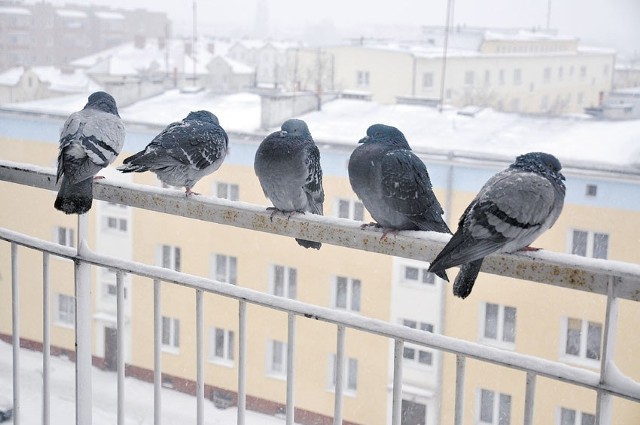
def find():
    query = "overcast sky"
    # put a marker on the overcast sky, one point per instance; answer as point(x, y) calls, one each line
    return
point(614, 23)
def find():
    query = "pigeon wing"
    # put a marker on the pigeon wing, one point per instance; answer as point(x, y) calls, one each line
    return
point(313, 184)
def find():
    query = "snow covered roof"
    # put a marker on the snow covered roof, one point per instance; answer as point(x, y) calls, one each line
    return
point(11, 76)
point(15, 11)
point(69, 13)
point(71, 82)
point(109, 15)
point(578, 139)
point(526, 36)
point(236, 67)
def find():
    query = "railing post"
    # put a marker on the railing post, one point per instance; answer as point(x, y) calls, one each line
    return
point(157, 353)
point(120, 329)
point(46, 340)
point(396, 405)
point(199, 358)
point(242, 361)
point(83, 328)
point(603, 407)
point(459, 406)
point(529, 398)
point(291, 355)
point(339, 390)
point(15, 329)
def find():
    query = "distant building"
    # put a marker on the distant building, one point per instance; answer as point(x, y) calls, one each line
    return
point(44, 34)
point(623, 104)
point(269, 58)
point(509, 70)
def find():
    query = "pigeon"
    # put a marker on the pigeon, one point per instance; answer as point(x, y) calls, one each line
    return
point(393, 183)
point(90, 140)
point(184, 152)
point(287, 164)
point(511, 210)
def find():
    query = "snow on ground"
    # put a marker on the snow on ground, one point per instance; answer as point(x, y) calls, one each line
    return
point(177, 408)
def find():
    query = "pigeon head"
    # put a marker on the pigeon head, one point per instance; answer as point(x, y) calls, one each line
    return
point(103, 102)
point(541, 163)
point(385, 134)
point(295, 128)
point(202, 116)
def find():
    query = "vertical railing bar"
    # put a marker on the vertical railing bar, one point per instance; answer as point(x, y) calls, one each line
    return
point(291, 354)
point(157, 352)
point(120, 331)
point(459, 406)
point(15, 329)
point(242, 361)
point(339, 369)
point(46, 340)
point(603, 406)
point(199, 358)
point(396, 407)
point(83, 326)
point(529, 398)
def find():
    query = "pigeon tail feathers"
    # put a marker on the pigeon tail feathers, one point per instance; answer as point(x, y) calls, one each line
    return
point(74, 198)
point(467, 276)
point(308, 244)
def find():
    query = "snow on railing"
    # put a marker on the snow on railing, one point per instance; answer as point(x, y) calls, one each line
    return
point(613, 279)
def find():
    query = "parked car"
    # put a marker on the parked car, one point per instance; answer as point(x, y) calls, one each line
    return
point(6, 408)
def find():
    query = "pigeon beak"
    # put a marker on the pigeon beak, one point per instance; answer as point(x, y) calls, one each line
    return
point(364, 139)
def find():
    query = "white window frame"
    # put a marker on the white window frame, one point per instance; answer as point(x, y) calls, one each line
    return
point(64, 236)
point(277, 367)
point(174, 259)
point(354, 209)
point(469, 78)
point(288, 288)
point(499, 340)
point(581, 357)
point(424, 278)
point(114, 224)
point(353, 298)
point(578, 416)
point(427, 80)
point(230, 273)
point(590, 248)
point(228, 346)
point(225, 190)
point(517, 76)
point(172, 325)
point(350, 378)
point(65, 318)
point(495, 413)
point(363, 78)
point(417, 350)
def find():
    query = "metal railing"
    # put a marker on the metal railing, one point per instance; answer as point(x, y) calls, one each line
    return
point(613, 279)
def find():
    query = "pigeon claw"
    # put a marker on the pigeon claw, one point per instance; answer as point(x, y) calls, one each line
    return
point(188, 192)
point(530, 249)
point(372, 224)
point(386, 232)
point(98, 177)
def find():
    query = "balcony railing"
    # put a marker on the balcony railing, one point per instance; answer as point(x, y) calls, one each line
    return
point(615, 280)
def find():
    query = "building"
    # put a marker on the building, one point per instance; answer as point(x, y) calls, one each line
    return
point(268, 58)
point(44, 34)
point(536, 72)
point(566, 325)
point(622, 104)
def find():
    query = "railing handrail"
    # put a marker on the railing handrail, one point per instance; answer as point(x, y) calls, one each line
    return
point(558, 269)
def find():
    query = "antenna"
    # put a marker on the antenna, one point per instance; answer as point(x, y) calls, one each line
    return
point(447, 28)
point(194, 39)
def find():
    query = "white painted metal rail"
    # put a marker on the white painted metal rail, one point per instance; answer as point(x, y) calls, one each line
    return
point(612, 279)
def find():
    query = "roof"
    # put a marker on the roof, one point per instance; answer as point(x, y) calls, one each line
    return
point(236, 67)
point(76, 81)
point(15, 11)
point(69, 13)
point(11, 76)
point(109, 15)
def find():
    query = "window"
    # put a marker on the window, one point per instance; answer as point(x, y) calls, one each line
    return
point(346, 293)
point(65, 309)
point(501, 79)
point(284, 281)
point(487, 78)
point(468, 78)
point(65, 236)
point(417, 354)
point(427, 80)
point(499, 325)
point(580, 98)
point(363, 78)
point(544, 103)
point(413, 413)
point(348, 208)
point(605, 70)
point(517, 76)
point(589, 244)
point(560, 73)
point(221, 346)
point(225, 268)
point(419, 275)
point(592, 190)
point(572, 417)
point(115, 224)
point(350, 378)
point(494, 408)
point(546, 75)
point(583, 71)
point(170, 257)
point(227, 191)
point(583, 339)
point(170, 333)
point(277, 358)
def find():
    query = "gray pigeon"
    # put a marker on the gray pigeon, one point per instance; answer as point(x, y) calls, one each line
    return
point(90, 140)
point(287, 164)
point(511, 210)
point(393, 183)
point(184, 152)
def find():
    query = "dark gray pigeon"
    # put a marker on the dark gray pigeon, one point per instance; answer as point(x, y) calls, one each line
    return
point(184, 152)
point(511, 210)
point(287, 164)
point(393, 183)
point(90, 140)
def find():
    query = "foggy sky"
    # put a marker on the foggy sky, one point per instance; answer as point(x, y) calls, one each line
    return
point(606, 23)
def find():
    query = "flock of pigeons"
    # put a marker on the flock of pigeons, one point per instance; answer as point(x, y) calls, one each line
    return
point(511, 210)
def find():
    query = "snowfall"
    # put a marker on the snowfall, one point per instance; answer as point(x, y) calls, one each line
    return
point(578, 139)
point(177, 408)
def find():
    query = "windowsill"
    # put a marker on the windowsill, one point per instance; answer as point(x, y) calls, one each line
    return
point(418, 285)
point(498, 344)
point(222, 362)
point(412, 364)
point(64, 324)
point(170, 350)
point(346, 392)
point(580, 361)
